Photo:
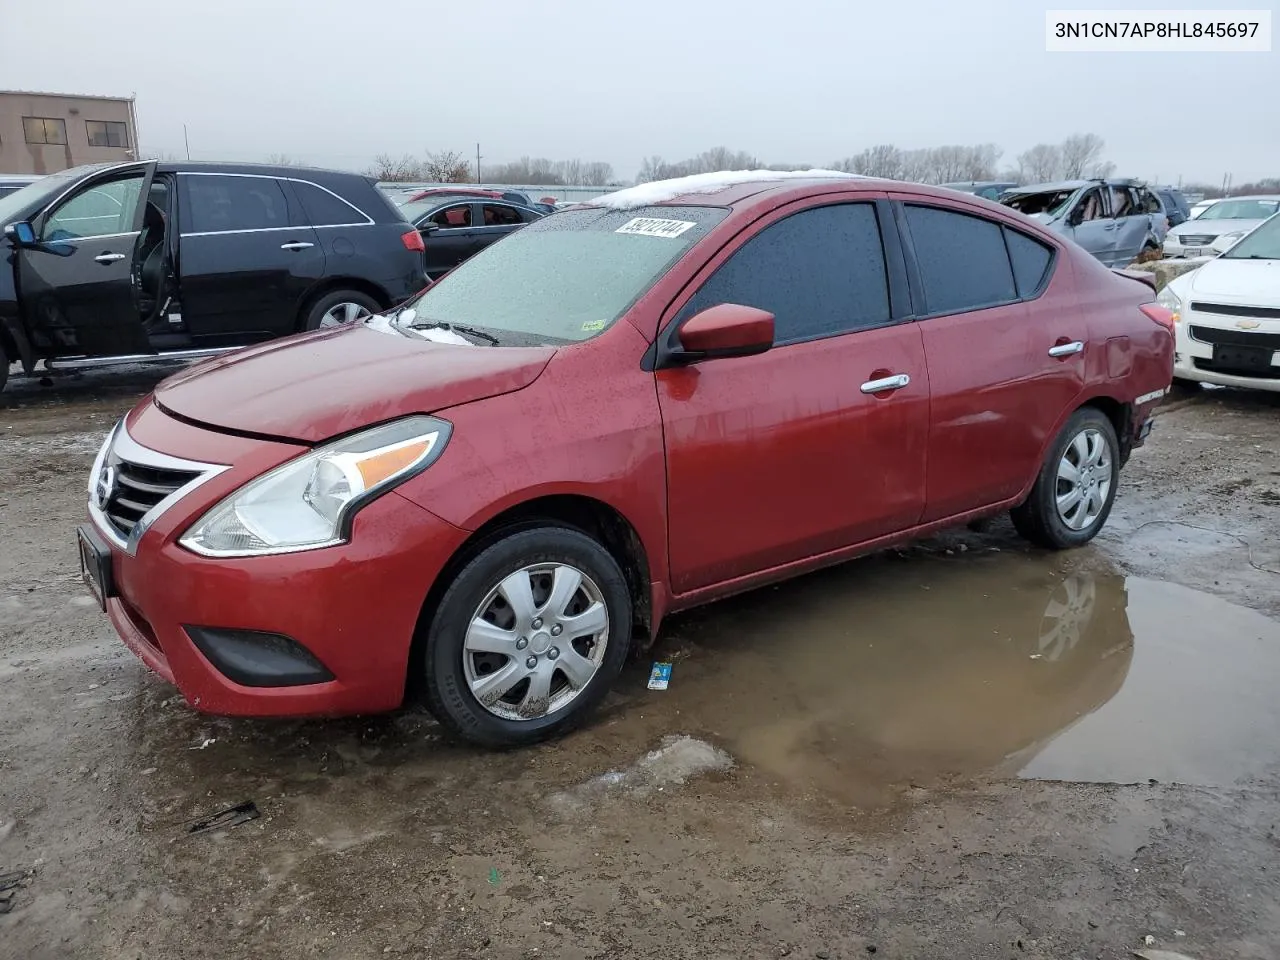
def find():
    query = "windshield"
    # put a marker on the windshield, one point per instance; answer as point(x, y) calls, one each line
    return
point(12, 205)
point(1241, 210)
point(566, 277)
point(1052, 202)
point(1262, 244)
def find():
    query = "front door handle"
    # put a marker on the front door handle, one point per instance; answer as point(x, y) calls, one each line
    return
point(296, 245)
point(1067, 349)
point(108, 257)
point(896, 382)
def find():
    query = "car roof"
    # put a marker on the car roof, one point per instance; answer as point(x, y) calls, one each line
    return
point(258, 169)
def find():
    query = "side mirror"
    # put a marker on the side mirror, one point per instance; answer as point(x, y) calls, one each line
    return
point(21, 234)
point(725, 330)
point(428, 228)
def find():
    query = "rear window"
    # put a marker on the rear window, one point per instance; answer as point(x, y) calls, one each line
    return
point(325, 209)
point(569, 276)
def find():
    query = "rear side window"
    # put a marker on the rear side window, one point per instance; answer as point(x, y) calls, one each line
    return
point(500, 215)
point(1030, 259)
point(819, 272)
point(217, 204)
point(962, 259)
point(324, 209)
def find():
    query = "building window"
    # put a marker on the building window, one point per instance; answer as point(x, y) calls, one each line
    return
point(107, 133)
point(44, 130)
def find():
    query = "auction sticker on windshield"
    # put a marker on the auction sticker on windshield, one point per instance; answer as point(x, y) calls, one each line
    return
point(655, 227)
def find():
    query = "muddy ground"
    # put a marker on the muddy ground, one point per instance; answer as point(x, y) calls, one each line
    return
point(963, 749)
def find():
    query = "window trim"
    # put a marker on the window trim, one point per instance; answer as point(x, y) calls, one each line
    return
point(660, 353)
point(913, 263)
point(289, 196)
point(46, 142)
point(98, 146)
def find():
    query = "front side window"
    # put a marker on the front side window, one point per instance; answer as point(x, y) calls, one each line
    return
point(101, 210)
point(452, 217)
point(217, 204)
point(44, 130)
point(106, 133)
point(567, 277)
point(962, 259)
point(820, 272)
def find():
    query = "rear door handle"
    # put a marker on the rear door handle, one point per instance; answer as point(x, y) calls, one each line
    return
point(296, 245)
point(108, 257)
point(1067, 349)
point(896, 382)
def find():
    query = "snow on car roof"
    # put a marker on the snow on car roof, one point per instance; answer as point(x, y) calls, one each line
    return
point(660, 191)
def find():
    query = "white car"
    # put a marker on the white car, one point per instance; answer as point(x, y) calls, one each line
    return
point(1220, 226)
point(1227, 315)
point(1200, 207)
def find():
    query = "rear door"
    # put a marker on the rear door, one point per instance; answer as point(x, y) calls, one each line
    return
point(453, 239)
point(793, 453)
point(1005, 348)
point(83, 302)
point(247, 257)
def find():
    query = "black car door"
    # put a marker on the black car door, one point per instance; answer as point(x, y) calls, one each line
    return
point(449, 234)
point(76, 290)
point(247, 257)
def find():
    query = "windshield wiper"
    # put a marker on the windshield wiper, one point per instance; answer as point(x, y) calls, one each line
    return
point(456, 328)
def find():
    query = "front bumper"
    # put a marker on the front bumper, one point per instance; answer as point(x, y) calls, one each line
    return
point(353, 608)
point(1194, 359)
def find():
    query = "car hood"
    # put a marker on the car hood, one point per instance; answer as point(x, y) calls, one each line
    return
point(1254, 283)
point(315, 386)
point(1199, 228)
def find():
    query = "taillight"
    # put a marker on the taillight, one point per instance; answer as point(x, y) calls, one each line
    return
point(412, 240)
point(1161, 315)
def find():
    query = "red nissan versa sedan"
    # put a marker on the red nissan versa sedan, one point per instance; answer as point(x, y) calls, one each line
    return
point(676, 393)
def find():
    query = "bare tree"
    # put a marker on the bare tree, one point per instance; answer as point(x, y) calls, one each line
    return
point(597, 173)
point(1080, 152)
point(284, 160)
point(446, 166)
point(404, 170)
point(1041, 163)
point(1102, 169)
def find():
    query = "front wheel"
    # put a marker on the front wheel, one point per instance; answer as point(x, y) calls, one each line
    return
point(528, 638)
point(1076, 487)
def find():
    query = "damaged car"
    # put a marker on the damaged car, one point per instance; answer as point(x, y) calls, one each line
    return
point(489, 499)
point(1115, 220)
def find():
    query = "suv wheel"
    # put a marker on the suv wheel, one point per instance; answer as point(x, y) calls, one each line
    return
point(338, 308)
point(528, 638)
point(1073, 494)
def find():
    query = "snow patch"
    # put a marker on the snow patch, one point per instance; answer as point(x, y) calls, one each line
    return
point(680, 758)
point(385, 324)
point(660, 191)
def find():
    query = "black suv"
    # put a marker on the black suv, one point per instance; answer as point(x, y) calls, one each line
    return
point(127, 262)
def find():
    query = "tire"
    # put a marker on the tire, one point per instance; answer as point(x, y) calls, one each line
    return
point(574, 676)
point(328, 308)
point(1040, 519)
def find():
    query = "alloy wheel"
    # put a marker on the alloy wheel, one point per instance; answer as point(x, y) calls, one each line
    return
point(1085, 475)
point(341, 314)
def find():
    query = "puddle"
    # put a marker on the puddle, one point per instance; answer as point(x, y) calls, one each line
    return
point(895, 671)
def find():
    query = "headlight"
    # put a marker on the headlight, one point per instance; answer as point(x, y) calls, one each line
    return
point(1171, 301)
point(308, 503)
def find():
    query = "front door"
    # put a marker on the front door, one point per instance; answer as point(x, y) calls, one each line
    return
point(1093, 227)
point(1005, 358)
point(450, 236)
point(820, 442)
point(77, 295)
point(247, 255)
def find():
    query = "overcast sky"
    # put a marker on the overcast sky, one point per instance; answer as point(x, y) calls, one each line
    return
point(335, 83)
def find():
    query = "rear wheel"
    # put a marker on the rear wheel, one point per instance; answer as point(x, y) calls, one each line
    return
point(1076, 487)
point(528, 638)
point(339, 308)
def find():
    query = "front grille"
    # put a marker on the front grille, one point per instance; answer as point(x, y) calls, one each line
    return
point(1234, 310)
point(1268, 374)
point(1235, 338)
point(138, 488)
point(1198, 240)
